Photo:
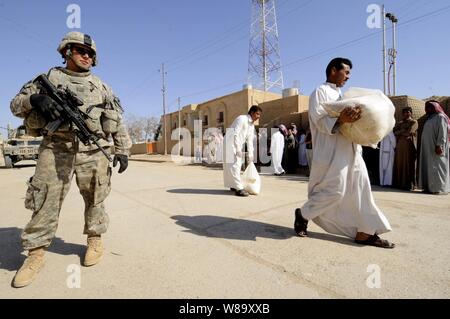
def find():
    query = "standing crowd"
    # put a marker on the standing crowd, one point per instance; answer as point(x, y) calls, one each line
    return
point(409, 161)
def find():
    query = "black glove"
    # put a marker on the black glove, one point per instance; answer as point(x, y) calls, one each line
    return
point(49, 108)
point(123, 160)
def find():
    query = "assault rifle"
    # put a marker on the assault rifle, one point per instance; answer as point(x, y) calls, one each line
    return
point(68, 105)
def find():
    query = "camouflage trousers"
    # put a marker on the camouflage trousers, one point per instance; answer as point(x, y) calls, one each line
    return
point(58, 162)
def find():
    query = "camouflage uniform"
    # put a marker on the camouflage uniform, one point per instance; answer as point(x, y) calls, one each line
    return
point(61, 155)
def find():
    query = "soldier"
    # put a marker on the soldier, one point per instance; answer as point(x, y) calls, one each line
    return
point(62, 155)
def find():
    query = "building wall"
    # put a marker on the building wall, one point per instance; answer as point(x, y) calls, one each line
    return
point(274, 111)
point(232, 106)
point(402, 101)
point(140, 148)
point(257, 97)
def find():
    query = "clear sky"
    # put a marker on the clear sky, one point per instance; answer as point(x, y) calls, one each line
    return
point(204, 44)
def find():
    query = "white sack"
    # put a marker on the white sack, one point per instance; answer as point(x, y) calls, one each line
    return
point(251, 180)
point(377, 116)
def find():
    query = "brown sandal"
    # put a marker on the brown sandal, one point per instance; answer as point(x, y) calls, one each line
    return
point(376, 241)
point(300, 224)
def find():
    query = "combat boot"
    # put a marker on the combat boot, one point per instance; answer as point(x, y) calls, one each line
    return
point(30, 268)
point(94, 251)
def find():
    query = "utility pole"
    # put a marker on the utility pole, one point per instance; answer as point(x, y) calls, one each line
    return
point(10, 130)
point(384, 49)
point(179, 126)
point(163, 75)
point(394, 46)
point(7, 133)
point(392, 54)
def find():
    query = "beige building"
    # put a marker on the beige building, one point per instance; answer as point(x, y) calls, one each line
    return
point(277, 109)
point(222, 111)
point(291, 108)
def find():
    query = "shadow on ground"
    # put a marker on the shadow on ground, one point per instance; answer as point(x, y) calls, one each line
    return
point(145, 160)
point(242, 229)
point(289, 177)
point(19, 166)
point(388, 189)
point(198, 191)
point(11, 257)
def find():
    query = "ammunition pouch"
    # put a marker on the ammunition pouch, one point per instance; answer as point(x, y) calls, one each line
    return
point(34, 123)
point(110, 121)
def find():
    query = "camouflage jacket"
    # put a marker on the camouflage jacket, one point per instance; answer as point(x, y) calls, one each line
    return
point(102, 108)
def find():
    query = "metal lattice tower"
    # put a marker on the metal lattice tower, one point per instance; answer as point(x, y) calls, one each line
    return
point(264, 61)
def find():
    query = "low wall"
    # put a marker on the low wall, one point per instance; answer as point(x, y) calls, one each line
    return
point(143, 148)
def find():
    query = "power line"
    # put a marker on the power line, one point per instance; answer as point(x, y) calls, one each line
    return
point(171, 68)
point(410, 4)
point(231, 31)
point(295, 9)
point(345, 44)
point(214, 89)
point(210, 43)
point(141, 84)
point(27, 33)
point(410, 8)
point(351, 42)
point(427, 15)
point(354, 41)
point(207, 44)
point(207, 55)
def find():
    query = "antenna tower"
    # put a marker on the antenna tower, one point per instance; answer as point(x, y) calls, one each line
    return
point(264, 62)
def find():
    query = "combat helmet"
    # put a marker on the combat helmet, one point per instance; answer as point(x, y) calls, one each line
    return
point(76, 37)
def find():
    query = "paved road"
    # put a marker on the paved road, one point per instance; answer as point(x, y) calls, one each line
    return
point(176, 233)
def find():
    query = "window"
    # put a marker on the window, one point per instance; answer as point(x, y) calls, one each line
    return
point(205, 120)
point(220, 118)
point(184, 122)
point(15, 143)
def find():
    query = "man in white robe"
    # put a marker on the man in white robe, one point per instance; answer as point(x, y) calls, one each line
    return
point(339, 194)
point(241, 131)
point(387, 154)
point(434, 173)
point(219, 145)
point(302, 157)
point(277, 149)
point(210, 149)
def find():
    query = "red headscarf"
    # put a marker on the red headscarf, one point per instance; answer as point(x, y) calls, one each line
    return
point(438, 109)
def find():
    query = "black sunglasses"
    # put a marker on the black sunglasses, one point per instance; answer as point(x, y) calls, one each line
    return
point(83, 51)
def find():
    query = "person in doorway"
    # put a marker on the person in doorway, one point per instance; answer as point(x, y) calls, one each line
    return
point(302, 157)
point(387, 153)
point(277, 149)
